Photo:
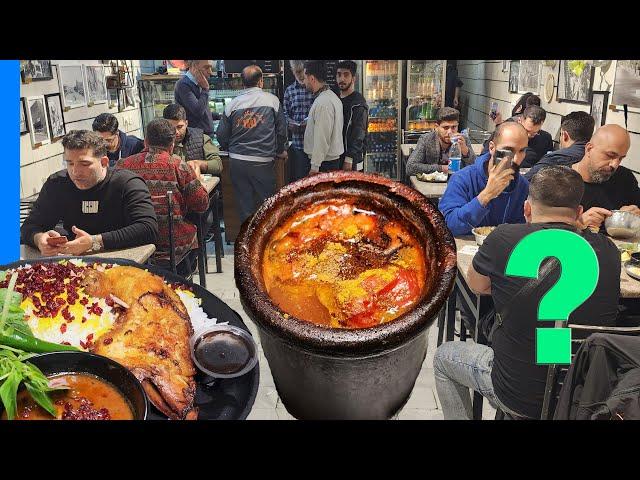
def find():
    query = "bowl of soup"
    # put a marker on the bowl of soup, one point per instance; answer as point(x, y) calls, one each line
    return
point(92, 387)
point(343, 273)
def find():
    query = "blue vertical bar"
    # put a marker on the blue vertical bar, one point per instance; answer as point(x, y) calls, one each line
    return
point(10, 178)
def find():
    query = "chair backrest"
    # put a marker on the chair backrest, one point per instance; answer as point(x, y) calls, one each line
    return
point(168, 200)
point(556, 373)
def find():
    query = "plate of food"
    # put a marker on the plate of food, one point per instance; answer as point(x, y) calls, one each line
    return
point(481, 233)
point(141, 318)
point(438, 177)
point(632, 269)
point(627, 249)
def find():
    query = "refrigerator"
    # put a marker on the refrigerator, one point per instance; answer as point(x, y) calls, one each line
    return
point(425, 81)
point(382, 88)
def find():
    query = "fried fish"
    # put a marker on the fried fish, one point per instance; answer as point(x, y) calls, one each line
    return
point(150, 338)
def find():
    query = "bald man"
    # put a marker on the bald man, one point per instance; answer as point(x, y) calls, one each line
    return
point(486, 193)
point(608, 185)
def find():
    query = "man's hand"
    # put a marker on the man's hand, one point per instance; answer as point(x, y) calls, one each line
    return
point(594, 217)
point(497, 119)
point(444, 168)
point(196, 166)
point(499, 178)
point(82, 243)
point(347, 164)
point(201, 79)
point(282, 155)
point(456, 102)
point(40, 239)
point(464, 148)
point(631, 208)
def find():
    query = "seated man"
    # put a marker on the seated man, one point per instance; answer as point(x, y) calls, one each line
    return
point(607, 185)
point(164, 171)
point(432, 152)
point(486, 194)
point(103, 208)
point(119, 144)
point(576, 129)
point(540, 142)
point(192, 144)
point(506, 373)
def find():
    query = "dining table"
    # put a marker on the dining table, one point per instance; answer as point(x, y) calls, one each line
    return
point(139, 254)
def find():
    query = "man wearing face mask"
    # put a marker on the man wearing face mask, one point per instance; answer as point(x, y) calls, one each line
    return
point(432, 151)
point(607, 185)
point(355, 112)
point(491, 191)
point(104, 208)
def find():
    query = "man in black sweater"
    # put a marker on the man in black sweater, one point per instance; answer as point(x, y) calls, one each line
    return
point(104, 208)
point(607, 185)
point(356, 116)
point(576, 129)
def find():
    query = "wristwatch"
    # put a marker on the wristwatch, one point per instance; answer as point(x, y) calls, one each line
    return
point(96, 245)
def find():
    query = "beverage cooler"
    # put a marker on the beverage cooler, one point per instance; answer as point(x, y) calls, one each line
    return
point(425, 94)
point(382, 87)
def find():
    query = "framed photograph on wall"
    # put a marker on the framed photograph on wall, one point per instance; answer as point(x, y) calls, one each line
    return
point(38, 122)
point(72, 86)
point(529, 76)
point(36, 70)
point(56, 117)
point(96, 84)
point(514, 71)
point(626, 86)
point(575, 81)
point(24, 127)
point(599, 105)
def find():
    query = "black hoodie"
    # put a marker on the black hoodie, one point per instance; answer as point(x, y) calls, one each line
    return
point(354, 130)
point(564, 156)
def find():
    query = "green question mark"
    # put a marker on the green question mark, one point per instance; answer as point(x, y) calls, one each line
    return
point(578, 280)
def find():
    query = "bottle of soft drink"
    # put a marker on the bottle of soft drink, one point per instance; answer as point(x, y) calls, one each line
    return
point(455, 156)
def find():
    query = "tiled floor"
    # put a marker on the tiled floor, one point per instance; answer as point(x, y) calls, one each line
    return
point(422, 405)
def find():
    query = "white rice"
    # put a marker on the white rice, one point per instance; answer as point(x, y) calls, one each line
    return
point(199, 319)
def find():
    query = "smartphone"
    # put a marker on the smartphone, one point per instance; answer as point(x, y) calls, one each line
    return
point(494, 110)
point(55, 241)
point(500, 154)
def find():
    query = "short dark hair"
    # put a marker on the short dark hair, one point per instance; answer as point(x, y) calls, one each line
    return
point(447, 114)
point(251, 76)
point(579, 126)
point(317, 68)
point(160, 133)
point(524, 101)
point(348, 65)
point(535, 113)
point(85, 139)
point(105, 122)
point(174, 111)
point(557, 186)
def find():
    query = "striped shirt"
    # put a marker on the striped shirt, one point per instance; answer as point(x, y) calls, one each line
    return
point(297, 103)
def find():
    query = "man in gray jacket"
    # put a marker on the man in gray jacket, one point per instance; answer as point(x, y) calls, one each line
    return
point(323, 136)
point(432, 152)
point(254, 131)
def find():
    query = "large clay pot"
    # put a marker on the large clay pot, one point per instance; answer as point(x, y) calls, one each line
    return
point(331, 373)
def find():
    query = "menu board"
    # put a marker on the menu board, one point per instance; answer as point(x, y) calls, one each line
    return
point(267, 66)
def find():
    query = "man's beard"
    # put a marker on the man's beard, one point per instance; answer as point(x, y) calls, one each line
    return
point(346, 87)
point(598, 176)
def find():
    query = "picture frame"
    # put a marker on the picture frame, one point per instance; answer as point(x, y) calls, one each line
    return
point(599, 107)
point(24, 126)
point(38, 120)
point(56, 116)
point(36, 70)
point(626, 86)
point(96, 84)
point(573, 88)
point(72, 87)
point(529, 76)
point(514, 70)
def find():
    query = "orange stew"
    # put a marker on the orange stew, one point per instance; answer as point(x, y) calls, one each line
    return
point(340, 265)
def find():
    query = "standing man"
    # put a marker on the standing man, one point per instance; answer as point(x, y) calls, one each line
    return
point(192, 92)
point(452, 85)
point(253, 130)
point(119, 144)
point(355, 116)
point(323, 136)
point(297, 103)
point(192, 144)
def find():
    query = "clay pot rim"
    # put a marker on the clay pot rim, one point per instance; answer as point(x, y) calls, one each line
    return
point(329, 340)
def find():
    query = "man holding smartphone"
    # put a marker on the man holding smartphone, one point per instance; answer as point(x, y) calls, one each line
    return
point(491, 191)
point(192, 92)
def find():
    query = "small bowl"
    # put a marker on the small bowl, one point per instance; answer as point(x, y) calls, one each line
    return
point(622, 224)
point(102, 367)
point(479, 238)
point(225, 351)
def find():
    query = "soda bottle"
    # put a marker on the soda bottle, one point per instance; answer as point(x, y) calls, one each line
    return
point(455, 156)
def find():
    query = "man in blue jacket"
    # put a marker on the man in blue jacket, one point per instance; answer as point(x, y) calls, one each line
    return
point(485, 194)
point(119, 144)
point(192, 92)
